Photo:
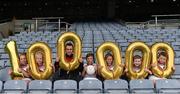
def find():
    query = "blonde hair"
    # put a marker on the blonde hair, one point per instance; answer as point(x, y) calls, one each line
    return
point(39, 53)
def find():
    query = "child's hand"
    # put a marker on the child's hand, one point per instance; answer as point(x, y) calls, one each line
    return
point(122, 65)
point(173, 68)
point(153, 64)
point(10, 71)
point(99, 67)
point(85, 68)
point(147, 70)
point(126, 70)
point(20, 70)
point(51, 65)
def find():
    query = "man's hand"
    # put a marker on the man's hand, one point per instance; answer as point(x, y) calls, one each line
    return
point(80, 60)
point(57, 59)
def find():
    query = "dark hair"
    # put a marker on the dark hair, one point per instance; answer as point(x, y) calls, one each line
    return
point(137, 57)
point(89, 54)
point(109, 54)
point(21, 54)
point(162, 54)
point(69, 44)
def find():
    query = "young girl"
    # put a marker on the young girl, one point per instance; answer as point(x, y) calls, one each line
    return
point(90, 69)
point(109, 60)
point(23, 68)
point(39, 60)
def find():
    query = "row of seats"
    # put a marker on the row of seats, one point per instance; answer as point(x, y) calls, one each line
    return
point(93, 34)
point(91, 86)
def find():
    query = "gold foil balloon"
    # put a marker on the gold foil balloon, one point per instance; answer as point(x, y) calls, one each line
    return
point(47, 56)
point(14, 59)
point(170, 61)
point(117, 71)
point(69, 36)
point(145, 60)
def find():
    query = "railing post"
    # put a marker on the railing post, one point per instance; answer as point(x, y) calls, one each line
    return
point(59, 25)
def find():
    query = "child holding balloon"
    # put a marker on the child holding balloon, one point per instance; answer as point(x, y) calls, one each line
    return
point(39, 60)
point(90, 69)
point(161, 65)
point(24, 68)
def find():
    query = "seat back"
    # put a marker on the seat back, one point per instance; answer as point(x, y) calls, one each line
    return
point(115, 86)
point(40, 86)
point(142, 86)
point(15, 86)
point(90, 86)
point(168, 86)
point(65, 86)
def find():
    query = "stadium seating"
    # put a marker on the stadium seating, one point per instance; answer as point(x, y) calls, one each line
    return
point(115, 86)
point(93, 34)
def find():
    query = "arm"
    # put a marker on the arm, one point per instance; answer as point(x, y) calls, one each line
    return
point(25, 74)
point(56, 64)
point(147, 70)
point(84, 71)
point(80, 68)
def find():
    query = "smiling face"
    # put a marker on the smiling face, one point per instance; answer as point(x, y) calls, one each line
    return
point(137, 62)
point(69, 50)
point(109, 60)
point(39, 58)
point(162, 59)
point(23, 60)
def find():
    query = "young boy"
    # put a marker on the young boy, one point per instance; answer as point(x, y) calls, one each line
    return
point(137, 61)
point(90, 69)
point(161, 64)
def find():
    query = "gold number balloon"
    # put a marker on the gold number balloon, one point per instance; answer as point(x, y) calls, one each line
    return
point(45, 49)
point(13, 54)
point(117, 71)
point(170, 63)
point(145, 60)
point(69, 36)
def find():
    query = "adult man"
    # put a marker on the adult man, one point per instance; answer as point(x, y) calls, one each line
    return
point(63, 74)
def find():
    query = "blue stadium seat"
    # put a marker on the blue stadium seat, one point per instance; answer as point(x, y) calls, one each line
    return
point(40, 86)
point(4, 76)
point(15, 86)
point(115, 86)
point(65, 87)
point(177, 61)
point(169, 86)
point(142, 86)
point(176, 74)
point(90, 86)
point(1, 86)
